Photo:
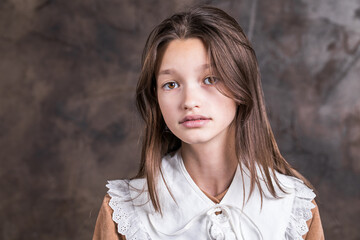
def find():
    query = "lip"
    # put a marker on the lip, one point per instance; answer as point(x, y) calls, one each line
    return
point(194, 121)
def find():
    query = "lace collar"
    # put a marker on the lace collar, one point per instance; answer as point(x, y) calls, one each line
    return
point(192, 214)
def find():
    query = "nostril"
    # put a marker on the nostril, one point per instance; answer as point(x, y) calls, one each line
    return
point(191, 104)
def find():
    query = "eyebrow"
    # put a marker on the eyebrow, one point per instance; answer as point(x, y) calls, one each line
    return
point(171, 70)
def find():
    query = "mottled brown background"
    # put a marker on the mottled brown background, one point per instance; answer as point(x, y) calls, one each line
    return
point(68, 122)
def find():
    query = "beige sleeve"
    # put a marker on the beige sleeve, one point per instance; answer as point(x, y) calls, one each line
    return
point(105, 227)
point(316, 231)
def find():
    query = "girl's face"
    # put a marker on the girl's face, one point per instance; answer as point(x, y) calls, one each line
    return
point(192, 106)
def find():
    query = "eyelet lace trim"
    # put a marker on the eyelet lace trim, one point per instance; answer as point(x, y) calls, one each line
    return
point(301, 211)
point(124, 213)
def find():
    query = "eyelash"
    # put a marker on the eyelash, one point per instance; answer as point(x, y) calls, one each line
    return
point(166, 85)
point(214, 79)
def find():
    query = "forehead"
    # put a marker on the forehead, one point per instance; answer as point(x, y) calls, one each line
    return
point(183, 54)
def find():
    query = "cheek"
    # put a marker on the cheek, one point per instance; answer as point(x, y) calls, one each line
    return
point(166, 108)
point(228, 109)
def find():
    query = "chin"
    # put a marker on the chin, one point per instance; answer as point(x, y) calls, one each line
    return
point(194, 140)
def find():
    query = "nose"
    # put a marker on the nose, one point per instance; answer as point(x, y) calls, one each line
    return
point(191, 97)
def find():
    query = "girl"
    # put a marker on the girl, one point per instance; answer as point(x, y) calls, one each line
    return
point(210, 166)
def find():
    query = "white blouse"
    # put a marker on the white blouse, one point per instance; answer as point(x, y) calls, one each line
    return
point(191, 214)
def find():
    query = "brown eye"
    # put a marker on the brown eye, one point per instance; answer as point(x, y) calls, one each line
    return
point(170, 85)
point(210, 80)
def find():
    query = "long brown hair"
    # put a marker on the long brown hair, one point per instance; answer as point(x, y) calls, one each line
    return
point(235, 64)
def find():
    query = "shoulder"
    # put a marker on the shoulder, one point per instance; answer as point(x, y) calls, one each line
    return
point(304, 210)
point(292, 207)
point(121, 195)
point(316, 231)
point(105, 227)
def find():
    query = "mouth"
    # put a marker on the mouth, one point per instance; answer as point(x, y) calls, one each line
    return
point(193, 118)
point(194, 121)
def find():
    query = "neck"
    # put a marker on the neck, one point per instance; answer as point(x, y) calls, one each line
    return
point(211, 165)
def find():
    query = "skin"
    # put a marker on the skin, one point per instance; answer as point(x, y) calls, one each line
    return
point(186, 87)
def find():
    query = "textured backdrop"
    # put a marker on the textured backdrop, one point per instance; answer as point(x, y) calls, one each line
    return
point(68, 71)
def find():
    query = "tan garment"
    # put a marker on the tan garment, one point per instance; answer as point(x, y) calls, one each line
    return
point(106, 229)
point(217, 198)
point(316, 231)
